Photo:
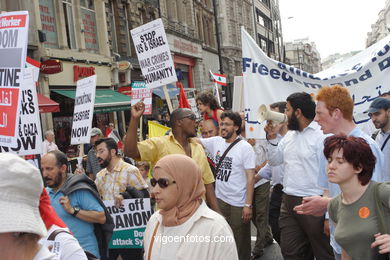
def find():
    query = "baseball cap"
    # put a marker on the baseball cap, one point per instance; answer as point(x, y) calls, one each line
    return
point(378, 104)
point(96, 131)
point(20, 189)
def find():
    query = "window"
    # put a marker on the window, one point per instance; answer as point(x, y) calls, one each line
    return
point(88, 18)
point(69, 23)
point(111, 19)
point(48, 20)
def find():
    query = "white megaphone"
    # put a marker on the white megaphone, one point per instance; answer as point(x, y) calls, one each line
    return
point(265, 113)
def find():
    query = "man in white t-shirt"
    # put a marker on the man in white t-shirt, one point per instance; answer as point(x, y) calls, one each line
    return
point(234, 179)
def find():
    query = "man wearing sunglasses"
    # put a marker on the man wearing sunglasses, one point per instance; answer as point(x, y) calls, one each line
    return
point(179, 141)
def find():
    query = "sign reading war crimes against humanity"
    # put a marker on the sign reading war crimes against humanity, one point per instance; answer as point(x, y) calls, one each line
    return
point(83, 110)
point(13, 49)
point(29, 135)
point(153, 54)
point(366, 76)
point(130, 222)
point(138, 92)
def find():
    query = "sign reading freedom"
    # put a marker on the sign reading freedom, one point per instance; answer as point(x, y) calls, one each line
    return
point(130, 221)
point(365, 75)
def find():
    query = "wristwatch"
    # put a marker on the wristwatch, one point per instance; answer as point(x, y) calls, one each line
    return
point(248, 205)
point(75, 211)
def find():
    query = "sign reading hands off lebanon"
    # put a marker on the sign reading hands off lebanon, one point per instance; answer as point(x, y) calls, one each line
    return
point(153, 54)
point(83, 110)
point(366, 76)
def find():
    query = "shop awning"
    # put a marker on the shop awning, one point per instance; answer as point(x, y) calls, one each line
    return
point(106, 100)
point(46, 105)
point(172, 91)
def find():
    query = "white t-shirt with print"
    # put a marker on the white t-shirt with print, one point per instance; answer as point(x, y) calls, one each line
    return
point(230, 182)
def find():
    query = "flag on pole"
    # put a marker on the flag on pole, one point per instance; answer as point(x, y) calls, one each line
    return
point(219, 78)
point(183, 102)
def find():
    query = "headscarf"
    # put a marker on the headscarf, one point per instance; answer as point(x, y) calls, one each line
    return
point(48, 214)
point(190, 188)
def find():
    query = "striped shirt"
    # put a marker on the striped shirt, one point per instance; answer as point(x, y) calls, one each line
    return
point(110, 184)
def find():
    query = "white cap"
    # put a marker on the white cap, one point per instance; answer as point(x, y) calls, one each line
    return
point(20, 189)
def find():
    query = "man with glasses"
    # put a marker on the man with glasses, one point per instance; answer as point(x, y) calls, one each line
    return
point(179, 141)
point(235, 178)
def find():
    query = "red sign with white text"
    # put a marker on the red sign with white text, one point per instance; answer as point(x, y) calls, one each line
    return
point(82, 72)
point(51, 67)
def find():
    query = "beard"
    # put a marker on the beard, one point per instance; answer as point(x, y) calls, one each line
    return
point(56, 182)
point(228, 135)
point(106, 162)
point(293, 123)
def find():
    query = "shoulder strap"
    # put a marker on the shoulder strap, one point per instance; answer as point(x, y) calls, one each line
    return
point(55, 233)
point(384, 143)
point(225, 153)
point(153, 238)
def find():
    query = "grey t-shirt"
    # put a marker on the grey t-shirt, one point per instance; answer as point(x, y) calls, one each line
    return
point(357, 223)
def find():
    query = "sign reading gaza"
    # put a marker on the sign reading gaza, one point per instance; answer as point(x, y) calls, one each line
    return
point(153, 54)
point(83, 110)
point(130, 222)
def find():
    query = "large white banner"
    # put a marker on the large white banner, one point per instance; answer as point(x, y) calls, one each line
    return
point(153, 54)
point(366, 75)
point(13, 49)
point(83, 110)
point(29, 134)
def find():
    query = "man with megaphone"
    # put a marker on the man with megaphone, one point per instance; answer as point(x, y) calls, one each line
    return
point(300, 152)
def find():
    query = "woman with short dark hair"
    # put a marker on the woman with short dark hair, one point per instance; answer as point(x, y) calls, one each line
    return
point(354, 212)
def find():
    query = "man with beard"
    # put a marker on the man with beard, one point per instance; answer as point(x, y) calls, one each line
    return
point(113, 180)
point(379, 113)
point(80, 210)
point(234, 178)
point(179, 141)
point(300, 152)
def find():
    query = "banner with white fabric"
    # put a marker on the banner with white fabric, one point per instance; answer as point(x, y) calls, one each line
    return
point(366, 75)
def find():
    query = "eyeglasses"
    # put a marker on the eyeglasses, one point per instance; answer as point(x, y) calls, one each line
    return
point(162, 182)
point(190, 116)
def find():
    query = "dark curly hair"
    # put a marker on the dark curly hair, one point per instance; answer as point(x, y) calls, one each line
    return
point(208, 99)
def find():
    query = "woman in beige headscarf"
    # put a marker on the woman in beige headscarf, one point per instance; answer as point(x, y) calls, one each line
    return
point(184, 227)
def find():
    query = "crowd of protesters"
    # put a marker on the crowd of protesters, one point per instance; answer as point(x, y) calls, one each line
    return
point(315, 186)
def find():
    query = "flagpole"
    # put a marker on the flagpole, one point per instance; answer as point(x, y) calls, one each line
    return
point(217, 93)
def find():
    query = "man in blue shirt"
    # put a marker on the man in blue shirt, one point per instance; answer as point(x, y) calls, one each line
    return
point(79, 210)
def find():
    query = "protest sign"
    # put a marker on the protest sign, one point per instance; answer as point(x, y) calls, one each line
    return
point(139, 91)
point(153, 54)
point(83, 110)
point(13, 49)
point(29, 134)
point(130, 222)
point(366, 76)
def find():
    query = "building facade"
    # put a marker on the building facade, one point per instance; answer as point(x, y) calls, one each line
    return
point(381, 28)
point(268, 28)
point(303, 55)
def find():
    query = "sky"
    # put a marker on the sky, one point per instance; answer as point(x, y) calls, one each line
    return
point(336, 26)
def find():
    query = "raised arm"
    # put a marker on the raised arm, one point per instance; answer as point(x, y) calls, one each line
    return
point(130, 145)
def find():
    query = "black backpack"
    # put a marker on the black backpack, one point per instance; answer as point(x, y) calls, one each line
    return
point(103, 232)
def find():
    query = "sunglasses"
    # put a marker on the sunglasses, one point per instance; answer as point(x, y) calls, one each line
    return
point(162, 182)
point(190, 116)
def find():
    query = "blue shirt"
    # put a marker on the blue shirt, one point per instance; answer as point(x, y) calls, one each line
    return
point(334, 188)
point(82, 230)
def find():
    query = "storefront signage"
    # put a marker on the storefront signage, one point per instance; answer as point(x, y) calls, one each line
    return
point(51, 67)
point(153, 54)
point(123, 65)
point(13, 50)
point(29, 136)
point(81, 72)
point(48, 20)
point(83, 110)
point(126, 90)
point(129, 222)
